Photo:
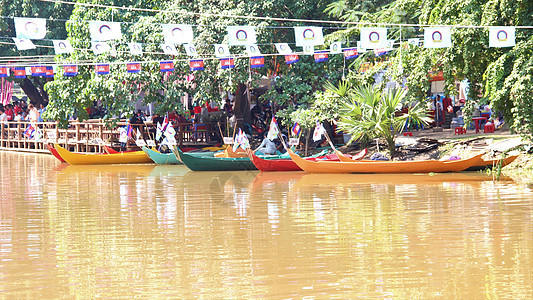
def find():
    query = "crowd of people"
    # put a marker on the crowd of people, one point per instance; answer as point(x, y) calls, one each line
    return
point(20, 111)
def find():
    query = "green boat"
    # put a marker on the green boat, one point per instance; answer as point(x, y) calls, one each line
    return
point(207, 163)
point(161, 158)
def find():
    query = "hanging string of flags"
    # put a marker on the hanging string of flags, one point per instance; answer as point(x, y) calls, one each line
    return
point(101, 32)
point(307, 37)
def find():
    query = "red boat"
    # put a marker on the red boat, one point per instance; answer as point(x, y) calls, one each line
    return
point(54, 152)
point(269, 165)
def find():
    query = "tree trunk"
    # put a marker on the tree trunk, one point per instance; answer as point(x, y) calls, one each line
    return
point(34, 91)
point(242, 109)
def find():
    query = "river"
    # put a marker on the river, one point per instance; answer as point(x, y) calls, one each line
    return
point(153, 232)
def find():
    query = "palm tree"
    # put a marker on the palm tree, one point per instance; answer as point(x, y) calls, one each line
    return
point(369, 113)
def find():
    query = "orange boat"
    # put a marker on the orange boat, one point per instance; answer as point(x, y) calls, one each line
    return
point(422, 166)
point(137, 157)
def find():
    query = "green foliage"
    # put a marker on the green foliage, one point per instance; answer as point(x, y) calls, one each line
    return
point(368, 113)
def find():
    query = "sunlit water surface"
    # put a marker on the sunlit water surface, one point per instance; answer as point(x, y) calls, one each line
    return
point(147, 231)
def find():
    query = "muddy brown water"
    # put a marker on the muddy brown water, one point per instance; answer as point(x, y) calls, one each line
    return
point(153, 232)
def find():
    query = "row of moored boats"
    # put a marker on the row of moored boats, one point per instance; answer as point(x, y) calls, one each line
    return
point(228, 160)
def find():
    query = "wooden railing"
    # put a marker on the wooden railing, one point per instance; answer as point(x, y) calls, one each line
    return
point(90, 136)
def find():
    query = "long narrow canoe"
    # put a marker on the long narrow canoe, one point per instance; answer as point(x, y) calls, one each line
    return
point(161, 158)
point(54, 152)
point(489, 163)
point(276, 165)
point(206, 163)
point(137, 157)
point(423, 166)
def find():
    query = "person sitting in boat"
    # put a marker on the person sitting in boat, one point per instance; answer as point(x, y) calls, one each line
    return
point(267, 147)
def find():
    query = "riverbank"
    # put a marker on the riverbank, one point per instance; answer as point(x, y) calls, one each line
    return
point(428, 144)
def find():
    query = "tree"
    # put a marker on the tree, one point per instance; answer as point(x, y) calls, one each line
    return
point(368, 112)
point(32, 86)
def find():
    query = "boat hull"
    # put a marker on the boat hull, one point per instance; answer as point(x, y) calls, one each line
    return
point(369, 167)
point(161, 158)
point(54, 152)
point(137, 157)
point(206, 163)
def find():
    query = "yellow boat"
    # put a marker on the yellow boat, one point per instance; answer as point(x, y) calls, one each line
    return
point(136, 157)
point(422, 166)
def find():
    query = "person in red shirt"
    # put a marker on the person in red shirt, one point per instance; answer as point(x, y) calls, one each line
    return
point(9, 112)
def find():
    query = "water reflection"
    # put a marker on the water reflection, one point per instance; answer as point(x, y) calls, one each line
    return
point(150, 231)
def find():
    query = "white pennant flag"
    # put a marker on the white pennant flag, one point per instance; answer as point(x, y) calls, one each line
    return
point(437, 37)
point(23, 44)
point(309, 50)
point(283, 48)
point(373, 38)
point(253, 50)
point(177, 33)
point(502, 37)
point(135, 48)
point(319, 131)
point(221, 50)
point(104, 31)
point(414, 41)
point(190, 49)
point(30, 28)
point(360, 48)
point(308, 36)
point(169, 49)
point(62, 47)
point(335, 48)
point(100, 47)
point(241, 35)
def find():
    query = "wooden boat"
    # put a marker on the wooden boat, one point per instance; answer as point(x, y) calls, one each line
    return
point(423, 166)
point(206, 163)
point(489, 163)
point(54, 152)
point(348, 158)
point(137, 157)
point(271, 165)
point(161, 158)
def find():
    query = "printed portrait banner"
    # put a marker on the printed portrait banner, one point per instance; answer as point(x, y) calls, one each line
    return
point(373, 38)
point(221, 50)
point(177, 33)
point(283, 48)
point(437, 37)
point(104, 31)
point(253, 50)
point(241, 35)
point(100, 47)
point(308, 36)
point(23, 44)
point(135, 48)
point(502, 36)
point(169, 49)
point(30, 28)
point(335, 48)
point(415, 42)
point(309, 50)
point(62, 47)
point(190, 49)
